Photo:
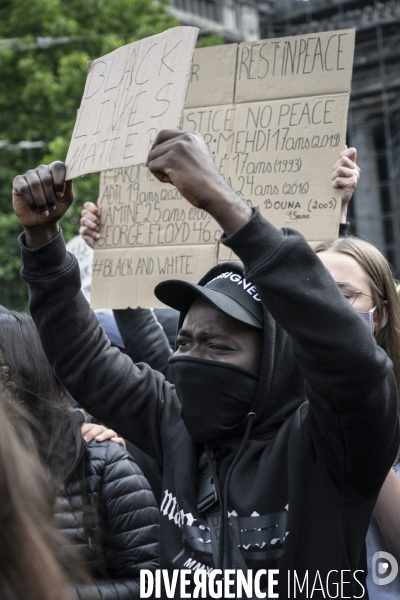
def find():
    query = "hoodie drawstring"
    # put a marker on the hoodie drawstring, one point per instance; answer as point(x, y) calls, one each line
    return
point(224, 545)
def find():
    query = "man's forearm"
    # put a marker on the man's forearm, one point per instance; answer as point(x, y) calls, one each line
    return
point(39, 236)
point(230, 211)
point(80, 354)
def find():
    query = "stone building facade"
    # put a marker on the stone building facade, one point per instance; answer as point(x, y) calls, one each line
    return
point(234, 20)
point(374, 117)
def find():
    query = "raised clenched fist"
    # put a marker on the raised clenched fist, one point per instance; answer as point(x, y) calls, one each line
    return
point(183, 159)
point(41, 196)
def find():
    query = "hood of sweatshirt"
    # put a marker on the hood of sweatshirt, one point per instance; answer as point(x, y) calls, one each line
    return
point(280, 391)
point(244, 464)
point(281, 388)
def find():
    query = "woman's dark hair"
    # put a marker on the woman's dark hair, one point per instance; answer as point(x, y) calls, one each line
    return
point(37, 562)
point(25, 368)
point(29, 568)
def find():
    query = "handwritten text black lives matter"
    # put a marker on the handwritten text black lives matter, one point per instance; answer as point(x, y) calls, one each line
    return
point(130, 94)
point(270, 151)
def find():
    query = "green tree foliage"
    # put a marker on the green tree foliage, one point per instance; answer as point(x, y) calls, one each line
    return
point(212, 39)
point(41, 88)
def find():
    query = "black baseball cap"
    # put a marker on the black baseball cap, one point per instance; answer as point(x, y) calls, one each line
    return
point(229, 291)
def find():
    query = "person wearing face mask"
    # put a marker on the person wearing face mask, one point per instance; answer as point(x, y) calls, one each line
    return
point(278, 383)
point(364, 276)
point(384, 531)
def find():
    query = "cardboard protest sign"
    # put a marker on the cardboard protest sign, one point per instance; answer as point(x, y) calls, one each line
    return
point(274, 116)
point(295, 67)
point(130, 95)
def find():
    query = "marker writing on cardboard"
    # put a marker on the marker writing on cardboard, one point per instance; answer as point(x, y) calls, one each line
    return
point(130, 95)
point(128, 267)
point(299, 56)
point(273, 115)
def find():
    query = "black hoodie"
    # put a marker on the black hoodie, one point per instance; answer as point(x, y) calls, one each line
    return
point(326, 434)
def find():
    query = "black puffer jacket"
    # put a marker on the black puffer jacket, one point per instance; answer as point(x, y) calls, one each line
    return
point(108, 510)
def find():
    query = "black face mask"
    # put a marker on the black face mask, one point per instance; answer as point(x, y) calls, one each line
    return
point(215, 396)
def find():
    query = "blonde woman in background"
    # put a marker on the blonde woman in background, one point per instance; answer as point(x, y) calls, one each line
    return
point(365, 278)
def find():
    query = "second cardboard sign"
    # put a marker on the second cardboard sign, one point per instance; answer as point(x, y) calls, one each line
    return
point(274, 116)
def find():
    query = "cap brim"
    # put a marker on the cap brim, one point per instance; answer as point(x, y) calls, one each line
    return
point(181, 295)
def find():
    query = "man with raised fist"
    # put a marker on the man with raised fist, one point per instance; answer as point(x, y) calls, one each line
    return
point(278, 385)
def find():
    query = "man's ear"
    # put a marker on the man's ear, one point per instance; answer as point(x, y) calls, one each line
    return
point(384, 317)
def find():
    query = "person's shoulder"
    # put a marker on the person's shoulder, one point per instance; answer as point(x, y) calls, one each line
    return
point(122, 478)
point(116, 478)
point(112, 461)
point(108, 452)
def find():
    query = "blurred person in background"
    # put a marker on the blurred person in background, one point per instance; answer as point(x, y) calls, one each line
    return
point(384, 531)
point(104, 503)
point(30, 545)
point(365, 278)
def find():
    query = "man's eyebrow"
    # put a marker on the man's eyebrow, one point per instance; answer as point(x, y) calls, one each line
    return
point(204, 335)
